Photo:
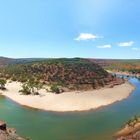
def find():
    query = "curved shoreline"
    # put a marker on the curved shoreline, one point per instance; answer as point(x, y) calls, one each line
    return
point(124, 73)
point(70, 101)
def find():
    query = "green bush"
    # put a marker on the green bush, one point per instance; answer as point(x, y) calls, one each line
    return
point(54, 88)
point(2, 84)
point(31, 87)
point(25, 89)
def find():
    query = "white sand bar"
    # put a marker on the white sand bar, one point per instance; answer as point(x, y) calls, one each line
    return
point(69, 101)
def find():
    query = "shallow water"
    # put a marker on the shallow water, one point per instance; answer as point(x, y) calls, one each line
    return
point(100, 124)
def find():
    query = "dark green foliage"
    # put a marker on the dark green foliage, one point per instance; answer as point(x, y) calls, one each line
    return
point(2, 84)
point(63, 72)
point(95, 84)
point(132, 122)
point(54, 88)
point(102, 83)
point(25, 89)
point(31, 87)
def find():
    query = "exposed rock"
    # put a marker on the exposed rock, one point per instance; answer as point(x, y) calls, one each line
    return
point(131, 131)
point(11, 130)
point(2, 125)
point(3, 135)
point(134, 136)
point(8, 133)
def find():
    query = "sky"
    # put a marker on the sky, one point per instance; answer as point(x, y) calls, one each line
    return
point(70, 28)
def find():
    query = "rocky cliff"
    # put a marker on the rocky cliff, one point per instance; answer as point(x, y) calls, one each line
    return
point(8, 133)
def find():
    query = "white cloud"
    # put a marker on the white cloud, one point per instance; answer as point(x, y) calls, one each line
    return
point(87, 36)
point(135, 49)
point(107, 46)
point(126, 44)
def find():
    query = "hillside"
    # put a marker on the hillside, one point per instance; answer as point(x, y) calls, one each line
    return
point(132, 66)
point(71, 73)
point(4, 61)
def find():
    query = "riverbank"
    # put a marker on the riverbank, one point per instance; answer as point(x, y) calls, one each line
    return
point(8, 133)
point(69, 101)
point(131, 131)
point(124, 73)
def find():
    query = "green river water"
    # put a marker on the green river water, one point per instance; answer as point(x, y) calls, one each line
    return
point(99, 124)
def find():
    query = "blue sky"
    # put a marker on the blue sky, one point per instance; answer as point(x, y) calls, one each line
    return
point(70, 28)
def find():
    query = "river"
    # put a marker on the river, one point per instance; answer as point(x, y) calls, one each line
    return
point(99, 124)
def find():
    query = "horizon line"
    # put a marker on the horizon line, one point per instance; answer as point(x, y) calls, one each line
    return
point(69, 58)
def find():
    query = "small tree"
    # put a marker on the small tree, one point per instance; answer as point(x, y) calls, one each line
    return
point(54, 88)
point(2, 84)
point(102, 82)
point(114, 76)
point(123, 78)
point(25, 89)
point(35, 87)
point(95, 84)
point(31, 87)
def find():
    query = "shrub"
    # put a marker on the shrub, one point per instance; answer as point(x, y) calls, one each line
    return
point(54, 88)
point(31, 87)
point(2, 84)
point(25, 89)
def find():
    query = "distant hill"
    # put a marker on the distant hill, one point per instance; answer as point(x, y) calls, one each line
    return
point(109, 62)
point(130, 65)
point(4, 61)
point(104, 62)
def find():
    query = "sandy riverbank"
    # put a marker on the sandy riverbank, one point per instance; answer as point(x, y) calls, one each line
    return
point(125, 73)
point(69, 101)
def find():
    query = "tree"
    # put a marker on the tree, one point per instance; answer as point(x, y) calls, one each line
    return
point(2, 84)
point(114, 75)
point(36, 86)
point(54, 88)
point(25, 89)
point(123, 78)
point(31, 87)
point(102, 82)
point(94, 83)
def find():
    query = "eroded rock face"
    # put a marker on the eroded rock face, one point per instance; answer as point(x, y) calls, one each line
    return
point(2, 125)
point(3, 135)
point(8, 133)
point(131, 131)
point(134, 136)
